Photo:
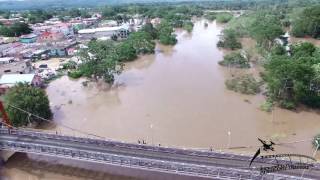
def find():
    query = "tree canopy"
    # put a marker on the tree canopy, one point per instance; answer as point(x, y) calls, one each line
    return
point(265, 28)
point(166, 35)
point(100, 60)
point(229, 40)
point(307, 23)
point(294, 79)
point(30, 99)
point(15, 30)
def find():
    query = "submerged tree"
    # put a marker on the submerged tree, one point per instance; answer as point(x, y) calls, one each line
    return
point(100, 60)
point(229, 40)
point(166, 35)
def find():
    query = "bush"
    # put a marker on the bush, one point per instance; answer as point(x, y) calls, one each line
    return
point(287, 104)
point(229, 40)
point(69, 65)
point(188, 26)
point(267, 106)
point(75, 74)
point(211, 16)
point(235, 59)
point(245, 84)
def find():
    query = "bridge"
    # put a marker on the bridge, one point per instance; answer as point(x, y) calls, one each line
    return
point(208, 164)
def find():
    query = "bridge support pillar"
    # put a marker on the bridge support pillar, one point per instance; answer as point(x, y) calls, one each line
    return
point(5, 155)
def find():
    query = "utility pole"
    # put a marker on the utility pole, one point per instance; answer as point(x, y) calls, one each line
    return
point(229, 139)
point(5, 116)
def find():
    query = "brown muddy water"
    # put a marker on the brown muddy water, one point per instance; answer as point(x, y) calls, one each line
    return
point(176, 98)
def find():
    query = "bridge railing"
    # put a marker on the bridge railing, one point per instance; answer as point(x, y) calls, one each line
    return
point(140, 163)
point(109, 143)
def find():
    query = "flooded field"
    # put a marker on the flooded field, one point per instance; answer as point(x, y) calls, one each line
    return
point(176, 98)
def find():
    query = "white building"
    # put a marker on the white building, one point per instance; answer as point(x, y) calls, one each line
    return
point(120, 31)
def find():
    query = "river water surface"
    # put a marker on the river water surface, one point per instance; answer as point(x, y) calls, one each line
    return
point(176, 98)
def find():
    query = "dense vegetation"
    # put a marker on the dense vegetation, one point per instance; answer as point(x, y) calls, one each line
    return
point(294, 79)
point(224, 17)
point(165, 33)
point(30, 99)
point(265, 28)
point(307, 23)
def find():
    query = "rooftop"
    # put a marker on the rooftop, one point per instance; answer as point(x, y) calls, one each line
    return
point(11, 79)
point(102, 29)
point(28, 36)
point(5, 59)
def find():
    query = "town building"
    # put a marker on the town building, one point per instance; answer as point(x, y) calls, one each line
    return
point(120, 31)
point(9, 80)
point(8, 65)
point(30, 38)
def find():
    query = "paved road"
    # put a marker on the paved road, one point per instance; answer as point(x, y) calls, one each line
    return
point(195, 163)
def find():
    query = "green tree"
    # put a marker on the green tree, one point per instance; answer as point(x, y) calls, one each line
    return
point(307, 23)
point(166, 35)
point(126, 52)
point(224, 17)
point(229, 40)
point(265, 29)
point(188, 26)
point(148, 27)
point(30, 99)
point(100, 60)
point(293, 80)
point(142, 42)
point(108, 12)
point(15, 30)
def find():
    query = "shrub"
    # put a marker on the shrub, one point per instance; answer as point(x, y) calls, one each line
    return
point(224, 17)
point(75, 74)
point(267, 106)
point(235, 59)
point(229, 40)
point(245, 84)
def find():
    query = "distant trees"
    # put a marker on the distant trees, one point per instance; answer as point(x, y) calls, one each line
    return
point(37, 16)
point(221, 17)
point(211, 16)
point(229, 40)
point(30, 99)
point(15, 30)
point(307, 23)
point(108, 12)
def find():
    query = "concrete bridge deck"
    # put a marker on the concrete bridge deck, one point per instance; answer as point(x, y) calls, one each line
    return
point(152, 158)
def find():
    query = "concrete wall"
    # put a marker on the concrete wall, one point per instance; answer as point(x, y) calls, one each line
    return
point(5, 155)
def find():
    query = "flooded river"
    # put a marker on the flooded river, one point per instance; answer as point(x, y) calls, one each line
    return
point(176, 98)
